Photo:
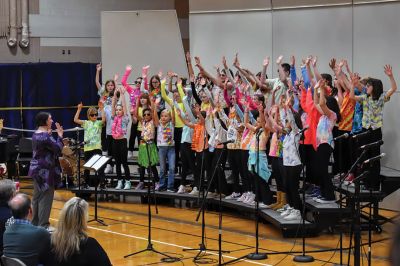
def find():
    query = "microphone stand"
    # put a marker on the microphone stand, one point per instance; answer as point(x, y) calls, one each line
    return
point(303, 257)
point(78, 157)
point(168, 258)
point(255, 255)
point(342, 197)
point(202, 246)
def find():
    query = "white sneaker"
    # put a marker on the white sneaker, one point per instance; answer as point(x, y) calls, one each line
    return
point(233, 196)
point(139, 186)
point(261, 205)
point(119, 185)
point(127, 185)
point(130, 155)
point(293, 215)
point(194, 192)
point(283, 208)
point(286, 212)
point(108, 170)
point(250, 198)
point(181, 189)
point(243, 197)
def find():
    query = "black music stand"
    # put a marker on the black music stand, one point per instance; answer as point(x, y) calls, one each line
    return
point(95, 163)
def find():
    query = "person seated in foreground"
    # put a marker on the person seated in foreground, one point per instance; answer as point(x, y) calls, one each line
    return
point(7, 192)
point(71, 244)
point(23, 240)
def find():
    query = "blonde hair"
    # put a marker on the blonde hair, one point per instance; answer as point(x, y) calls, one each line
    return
point(91, 110)
point(71, 228)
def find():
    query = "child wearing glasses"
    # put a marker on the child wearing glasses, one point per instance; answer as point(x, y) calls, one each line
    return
point(147, 155)
point(119, 130)
point(92, 137)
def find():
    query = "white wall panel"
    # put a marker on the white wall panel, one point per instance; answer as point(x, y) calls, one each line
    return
point(376, 43)
point(213, 35)
point(141, 40)
point(324, 32)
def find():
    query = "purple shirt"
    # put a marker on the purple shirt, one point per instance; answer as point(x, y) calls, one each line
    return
point(45, 168)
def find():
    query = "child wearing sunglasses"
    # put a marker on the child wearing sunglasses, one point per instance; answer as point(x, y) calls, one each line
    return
point(92, 137)
point(147, 155)
point(121, 119)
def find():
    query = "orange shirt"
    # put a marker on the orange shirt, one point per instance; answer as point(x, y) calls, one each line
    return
point(347, 112)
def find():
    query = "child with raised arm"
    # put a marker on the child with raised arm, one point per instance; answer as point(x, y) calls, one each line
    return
point(134, 93)
point(372, 120)
point(92, 137)
point(199, 146)
point(147, 156)
point(119, 129)
point(166, 147)
point(258, 161)
point(330, 114)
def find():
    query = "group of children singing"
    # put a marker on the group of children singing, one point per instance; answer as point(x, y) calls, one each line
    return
point(263, 127)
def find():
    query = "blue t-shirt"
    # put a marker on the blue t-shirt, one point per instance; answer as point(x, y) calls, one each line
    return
point(358, 113)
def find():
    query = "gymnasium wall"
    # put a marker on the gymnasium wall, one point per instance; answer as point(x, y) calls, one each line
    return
point(364, 32)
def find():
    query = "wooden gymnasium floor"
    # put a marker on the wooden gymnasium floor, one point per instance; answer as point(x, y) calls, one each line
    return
point(175, 228)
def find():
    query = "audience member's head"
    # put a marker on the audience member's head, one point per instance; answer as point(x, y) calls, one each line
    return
point(20, 206)
point(394, 249)
point(71, 228)
point(7, 191)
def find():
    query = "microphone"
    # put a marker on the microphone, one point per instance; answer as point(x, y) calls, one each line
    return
point(359, 177)
point(376, 158)
point(302, 131)
point(361, 134)
point(259, 132)
point(343, 136)
point(373, 144)
point(228, 141)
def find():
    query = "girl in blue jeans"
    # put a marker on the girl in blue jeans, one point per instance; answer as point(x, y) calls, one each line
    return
point(166, 147)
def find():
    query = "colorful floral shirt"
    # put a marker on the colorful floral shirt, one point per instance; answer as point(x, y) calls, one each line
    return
point(358, 113)
point(373, 111)
point(92, 134)
point(165, 134)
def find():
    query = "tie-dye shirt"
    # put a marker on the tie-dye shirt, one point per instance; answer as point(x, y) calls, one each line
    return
point(92, 134)
point(373, 111)
point(324, 129)
point(358, 113)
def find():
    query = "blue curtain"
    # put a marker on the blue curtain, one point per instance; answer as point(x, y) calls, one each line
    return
point(52, 87)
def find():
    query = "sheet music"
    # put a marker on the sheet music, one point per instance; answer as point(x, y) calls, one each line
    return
point(91, 162)
point(100, 163)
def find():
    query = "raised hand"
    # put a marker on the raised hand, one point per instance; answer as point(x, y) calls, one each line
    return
point(116, 77)
point(128, 68)
point(197, 60)
point(314, 61)
point(80, 105)
point(279, 60)
point(98, 67)
point(266, 61)
point(308, 60)
point(160, 73)
point(236, 60)
point(188, 58)
point(59, 129)
point(355, 80)
point(388, 70)
point(332, 64)
point(341, 63)
point(224, 62)
point(292, 60)
point(145, 71)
